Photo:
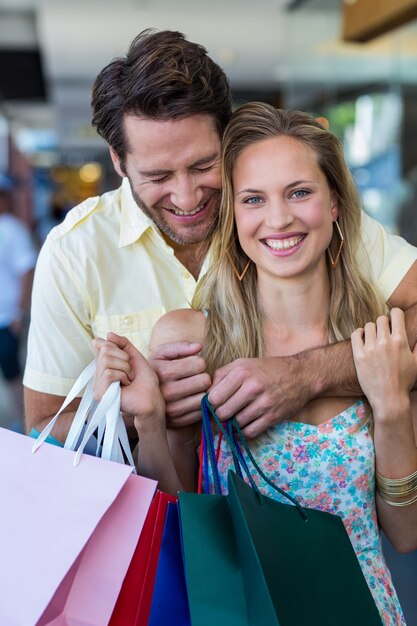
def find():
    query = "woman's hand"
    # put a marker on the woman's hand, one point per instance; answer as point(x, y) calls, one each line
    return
point(385, 365)
point(141, 400)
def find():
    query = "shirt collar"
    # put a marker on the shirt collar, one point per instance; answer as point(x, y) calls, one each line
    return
point(133, 221)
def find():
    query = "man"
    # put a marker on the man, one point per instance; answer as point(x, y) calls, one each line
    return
point(17, 261)
point(120, 261)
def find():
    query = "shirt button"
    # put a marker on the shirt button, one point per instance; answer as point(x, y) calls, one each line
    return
point(126, 322)
point(186, 275)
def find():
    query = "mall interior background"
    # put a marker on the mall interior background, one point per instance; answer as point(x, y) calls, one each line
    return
point(287, 52)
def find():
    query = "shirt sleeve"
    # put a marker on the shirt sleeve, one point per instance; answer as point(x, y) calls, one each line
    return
point(59, 340)
point(383, 257)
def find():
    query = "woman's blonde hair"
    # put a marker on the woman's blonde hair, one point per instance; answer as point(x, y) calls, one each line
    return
point(234, 325)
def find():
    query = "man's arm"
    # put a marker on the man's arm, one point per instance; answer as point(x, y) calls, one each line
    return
point(40, 408)
point(59, 343)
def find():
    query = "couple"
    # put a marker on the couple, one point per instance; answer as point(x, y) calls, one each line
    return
point(118, 262)
point(284, 279)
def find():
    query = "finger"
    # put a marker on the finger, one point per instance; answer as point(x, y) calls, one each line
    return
point(398, 321)
point(370, 332)
point(252, 412)
point(257, 427)
point(113, 362)
point(232, 400)
point(185, 420)
point(129, 349)
point(222, 372)
point(192, 404)
point(106, 378)
point(358, 336)
point(119, 340)
point(179, 369)
point(383, 330)
point(181, 389)
point(175, 350)
point(98, 343)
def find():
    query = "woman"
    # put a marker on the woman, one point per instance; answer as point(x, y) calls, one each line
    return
point(283, 280)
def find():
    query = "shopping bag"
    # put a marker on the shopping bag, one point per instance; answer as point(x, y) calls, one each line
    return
point(67, 533)
point(286, 557)
point(279, 553)
point(169, 600)
point(134, 601)
point(213, 573)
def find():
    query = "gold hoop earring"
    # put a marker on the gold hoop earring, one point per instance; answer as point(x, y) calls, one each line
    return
point(335, 261)
point(234, 268)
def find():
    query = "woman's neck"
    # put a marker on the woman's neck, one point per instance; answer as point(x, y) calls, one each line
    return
point(295, 312)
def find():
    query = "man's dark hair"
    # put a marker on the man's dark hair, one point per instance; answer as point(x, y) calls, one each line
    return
point(162, 77)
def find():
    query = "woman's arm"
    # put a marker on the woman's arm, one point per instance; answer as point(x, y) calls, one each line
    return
point(173, 328)
point(387, 371)
point(143, 406)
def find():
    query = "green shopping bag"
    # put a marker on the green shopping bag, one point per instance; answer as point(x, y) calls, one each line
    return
point(304, 571)
point(215, 588)
point(250, 559)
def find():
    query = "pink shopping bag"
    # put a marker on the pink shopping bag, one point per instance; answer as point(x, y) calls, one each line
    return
point(67, 534)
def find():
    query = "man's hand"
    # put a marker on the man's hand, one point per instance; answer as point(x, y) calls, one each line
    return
point(260, 392)
point(183, 380)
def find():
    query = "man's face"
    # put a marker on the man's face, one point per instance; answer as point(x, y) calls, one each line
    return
point(173, 168)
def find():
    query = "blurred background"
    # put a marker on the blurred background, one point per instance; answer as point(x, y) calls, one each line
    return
point(353, 62)
point(293, 53)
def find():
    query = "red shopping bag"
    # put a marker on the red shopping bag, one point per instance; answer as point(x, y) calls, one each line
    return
point(67, 534)
point(135, 598)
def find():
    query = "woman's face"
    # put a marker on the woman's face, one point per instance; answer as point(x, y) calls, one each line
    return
point(283, 205)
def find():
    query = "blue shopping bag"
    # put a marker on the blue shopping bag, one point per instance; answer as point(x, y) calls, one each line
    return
point(169, 601)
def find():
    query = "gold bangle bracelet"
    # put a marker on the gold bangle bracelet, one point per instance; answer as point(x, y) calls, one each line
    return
point(401, 490)
point(406, 503)
point(393, 482)
point(396, 487)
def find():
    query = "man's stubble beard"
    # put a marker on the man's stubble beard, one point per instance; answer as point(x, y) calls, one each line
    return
point(167, 230)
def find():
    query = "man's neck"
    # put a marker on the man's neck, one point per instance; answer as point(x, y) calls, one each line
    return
point(192, 256)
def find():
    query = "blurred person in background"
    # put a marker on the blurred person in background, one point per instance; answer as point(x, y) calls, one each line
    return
point(17, 262)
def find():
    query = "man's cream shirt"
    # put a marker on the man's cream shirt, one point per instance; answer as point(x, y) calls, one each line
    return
point(106, 267)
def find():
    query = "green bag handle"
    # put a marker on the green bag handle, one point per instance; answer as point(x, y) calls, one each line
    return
point(237, 453)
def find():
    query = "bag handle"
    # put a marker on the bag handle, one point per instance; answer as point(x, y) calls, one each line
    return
point(103, 416)
point(232, 427)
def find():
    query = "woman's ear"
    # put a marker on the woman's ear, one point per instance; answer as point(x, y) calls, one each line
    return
point(116, 162)
point(334, 207)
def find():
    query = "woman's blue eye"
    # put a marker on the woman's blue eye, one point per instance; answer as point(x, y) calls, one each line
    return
point(252, 200)
point(300, 193)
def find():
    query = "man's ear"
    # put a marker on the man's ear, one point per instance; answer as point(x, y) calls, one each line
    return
point(116, 162)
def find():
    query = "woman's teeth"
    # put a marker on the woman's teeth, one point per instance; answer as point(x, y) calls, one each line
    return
point(283, 244)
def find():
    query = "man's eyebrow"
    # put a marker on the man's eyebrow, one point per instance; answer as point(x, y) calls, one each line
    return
point(154, 172)
point(203, 161)
point(206, 159)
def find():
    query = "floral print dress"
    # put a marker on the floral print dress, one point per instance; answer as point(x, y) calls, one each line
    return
point(329, 467)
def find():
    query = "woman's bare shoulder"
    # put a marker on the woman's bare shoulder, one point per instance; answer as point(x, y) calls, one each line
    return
point(178, 325)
